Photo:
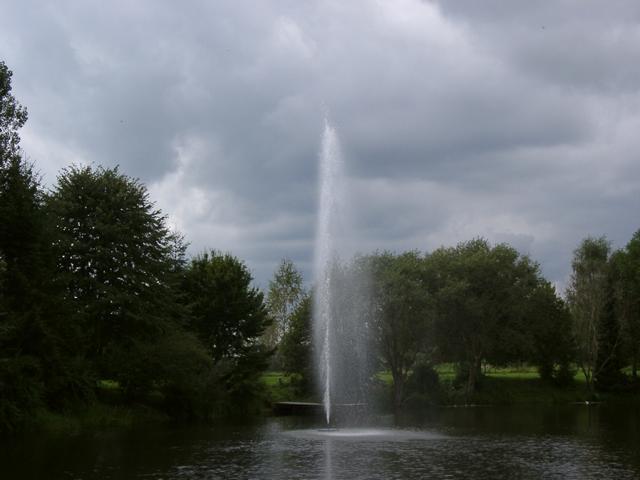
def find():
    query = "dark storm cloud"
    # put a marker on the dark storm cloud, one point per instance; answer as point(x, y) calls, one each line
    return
point(515, 120)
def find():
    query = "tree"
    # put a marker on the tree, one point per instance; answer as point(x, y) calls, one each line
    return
point(551, 339)
point(286, 291)
point(586, 296)
point(608, 368)
point(628, 299)
point(21, 220)
point(12, 117)
point(296, 348)
point(401, 314)
point(116, 261)
point(229, 316)
point(22, 233)
point(481, 294)
point(26, 343)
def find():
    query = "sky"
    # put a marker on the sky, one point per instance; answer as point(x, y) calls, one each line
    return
point(515, 121)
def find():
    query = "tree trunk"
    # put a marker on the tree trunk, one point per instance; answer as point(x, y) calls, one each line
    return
point(475, 370)
point(398, 390)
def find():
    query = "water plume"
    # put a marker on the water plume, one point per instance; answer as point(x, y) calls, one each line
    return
point(340, 295)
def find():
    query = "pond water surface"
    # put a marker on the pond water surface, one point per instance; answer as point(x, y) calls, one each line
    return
point(576, 442)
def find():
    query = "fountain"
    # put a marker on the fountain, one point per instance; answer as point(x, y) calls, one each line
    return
point(341, 315)
point(325, 253)
point(340, 299)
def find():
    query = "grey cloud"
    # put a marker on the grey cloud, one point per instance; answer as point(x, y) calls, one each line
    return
point(515, 121)
point(587, 45)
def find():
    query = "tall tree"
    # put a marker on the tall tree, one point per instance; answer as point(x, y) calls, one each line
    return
point(116, 260)
point(628, 296)
point(29, 338)
point(551, 339)
point(12, 117)
point(20, 202)
point(608, 369)
point(286, 291)
point(587, 295)
point(297, 346)
point(481, 294)
point(22, 232)
point(401, 314)
point(228, 314)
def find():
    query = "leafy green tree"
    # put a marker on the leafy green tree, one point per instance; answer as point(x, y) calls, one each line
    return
point(402, 317)
point(587, 296)
point(549, 327)
point(226, 312)
point(229, 316)
point(296, 348)
point(12, 117)
point(21, 219)
point(480, 294)
point(26, 341)
point(22, 234)
point(628, 299)
point(117, 262)
point(286, 291)
point(609, 362)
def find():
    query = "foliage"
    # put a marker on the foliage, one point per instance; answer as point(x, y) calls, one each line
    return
point(228, 316)
point(402, 316)
point(549, 327)
point(12, 117)
point(30, 341)
point(296, 349)
point(423, 385)
point(21, 391)
point(627, 291)
point(586, 296)
point(481, 294)
point(225, 311)
point(115, 260)
point(608, 368)
point(286, 291)
point(22, 234)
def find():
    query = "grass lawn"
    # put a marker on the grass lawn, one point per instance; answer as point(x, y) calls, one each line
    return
point(272, 379)
point(499, 386)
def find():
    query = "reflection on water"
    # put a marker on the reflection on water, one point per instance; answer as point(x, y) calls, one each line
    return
point(363, 434)
point(328, 465)
point(483, 443)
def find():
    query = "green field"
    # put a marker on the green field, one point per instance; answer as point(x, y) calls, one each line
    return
point(499, 386)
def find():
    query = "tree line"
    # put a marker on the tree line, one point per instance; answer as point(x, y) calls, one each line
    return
point(95, 288)
point(478, 304)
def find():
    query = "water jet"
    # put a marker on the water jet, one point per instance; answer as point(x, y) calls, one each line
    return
point(340, 295)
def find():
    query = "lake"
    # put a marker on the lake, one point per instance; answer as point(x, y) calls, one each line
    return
point(574, 441)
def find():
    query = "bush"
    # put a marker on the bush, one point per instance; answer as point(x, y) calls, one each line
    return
point(560, 375)
point(423, 386)
point(21, 391)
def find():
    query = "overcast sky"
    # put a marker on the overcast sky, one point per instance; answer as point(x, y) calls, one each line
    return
point(517, 121)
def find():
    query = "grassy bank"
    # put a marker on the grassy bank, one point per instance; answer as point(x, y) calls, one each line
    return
point(97, 416)
point(499, 386)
